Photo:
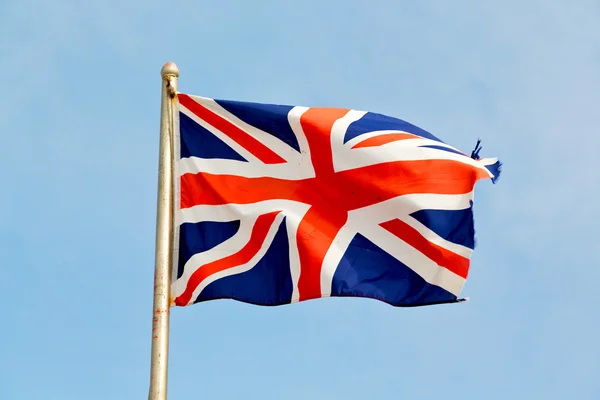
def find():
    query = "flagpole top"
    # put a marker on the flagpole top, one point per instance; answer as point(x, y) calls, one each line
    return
point(169, 69)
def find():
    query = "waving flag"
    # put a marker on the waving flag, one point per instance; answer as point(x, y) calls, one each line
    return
point(279, 204)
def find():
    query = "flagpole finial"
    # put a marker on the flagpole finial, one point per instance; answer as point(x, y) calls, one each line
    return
point(169, 69)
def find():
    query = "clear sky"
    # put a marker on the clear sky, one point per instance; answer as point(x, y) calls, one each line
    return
point(79, 122)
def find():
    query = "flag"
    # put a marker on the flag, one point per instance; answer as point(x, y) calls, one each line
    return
point(279, 204)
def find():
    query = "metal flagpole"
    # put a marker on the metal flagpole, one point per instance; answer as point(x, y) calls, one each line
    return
point(164, 238)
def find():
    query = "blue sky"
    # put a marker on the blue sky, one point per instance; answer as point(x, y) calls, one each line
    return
point(79, 129)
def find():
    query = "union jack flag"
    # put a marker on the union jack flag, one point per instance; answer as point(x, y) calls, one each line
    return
point(280, 204)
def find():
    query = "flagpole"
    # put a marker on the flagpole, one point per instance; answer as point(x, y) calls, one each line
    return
point(164, 238)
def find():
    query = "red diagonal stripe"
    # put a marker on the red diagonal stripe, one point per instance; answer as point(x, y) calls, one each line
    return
point(442, 257)
point(257, 238)
point(383, 139)
point(259, 150)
